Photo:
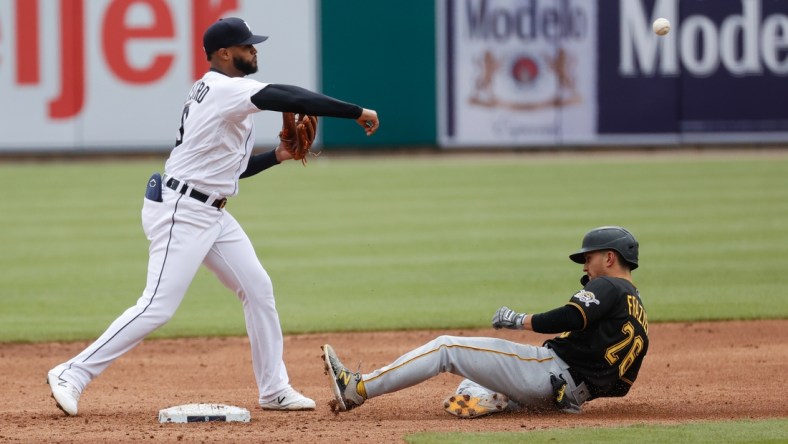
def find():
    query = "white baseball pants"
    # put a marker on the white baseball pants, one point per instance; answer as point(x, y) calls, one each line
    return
point(183, 234)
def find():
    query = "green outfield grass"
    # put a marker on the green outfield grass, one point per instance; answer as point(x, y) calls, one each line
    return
point(751, 432)
point(405, 242)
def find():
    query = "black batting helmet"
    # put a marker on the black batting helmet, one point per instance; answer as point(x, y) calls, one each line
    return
point(609, 238)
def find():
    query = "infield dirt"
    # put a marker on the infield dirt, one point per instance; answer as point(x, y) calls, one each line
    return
point(693, 372)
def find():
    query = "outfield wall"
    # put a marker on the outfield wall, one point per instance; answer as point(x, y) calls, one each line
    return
point(111, 75)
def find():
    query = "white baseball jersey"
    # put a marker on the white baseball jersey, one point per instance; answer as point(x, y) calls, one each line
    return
point(216, 136)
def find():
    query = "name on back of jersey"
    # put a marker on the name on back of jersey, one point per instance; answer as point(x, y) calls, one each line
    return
point(637, 311)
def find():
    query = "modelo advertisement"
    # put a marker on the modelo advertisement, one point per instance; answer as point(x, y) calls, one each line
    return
point(577, 72)
point(108, 75)
point(517, 72)
point(720, 75)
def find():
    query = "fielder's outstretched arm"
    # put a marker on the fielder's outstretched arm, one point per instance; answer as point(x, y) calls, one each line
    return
point(294, 99)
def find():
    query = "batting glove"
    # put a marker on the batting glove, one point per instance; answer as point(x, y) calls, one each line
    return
point(508, 318)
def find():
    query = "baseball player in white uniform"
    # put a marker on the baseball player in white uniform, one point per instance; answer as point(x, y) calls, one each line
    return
point(185, 219)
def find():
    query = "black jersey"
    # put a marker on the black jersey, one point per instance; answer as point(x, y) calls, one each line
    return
point(608, 351)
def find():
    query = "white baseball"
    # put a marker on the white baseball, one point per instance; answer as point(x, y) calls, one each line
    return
point(661, 26)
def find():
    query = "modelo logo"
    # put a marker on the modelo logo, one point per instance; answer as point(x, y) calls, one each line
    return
point(529, 20)
point(744, 44)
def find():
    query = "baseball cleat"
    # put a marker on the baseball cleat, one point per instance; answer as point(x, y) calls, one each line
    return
point(66, 396)
point(289, 400)
point(467, 406)
point(349, 391)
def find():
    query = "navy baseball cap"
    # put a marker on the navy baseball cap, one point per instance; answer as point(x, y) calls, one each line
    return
point(227, 32)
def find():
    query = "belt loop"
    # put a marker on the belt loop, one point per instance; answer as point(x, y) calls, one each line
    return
point(213, 197)
point(581, 393)
point(178, 186)
point(216, 200)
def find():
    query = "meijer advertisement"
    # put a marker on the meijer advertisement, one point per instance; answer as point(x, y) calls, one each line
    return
point(104, 75)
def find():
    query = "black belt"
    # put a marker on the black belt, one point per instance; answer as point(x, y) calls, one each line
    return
point(575, 376)
point(173, 184)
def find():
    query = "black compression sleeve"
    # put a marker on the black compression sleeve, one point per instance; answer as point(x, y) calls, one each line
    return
point(294, 99)
point(559, 320)
point(259, 163)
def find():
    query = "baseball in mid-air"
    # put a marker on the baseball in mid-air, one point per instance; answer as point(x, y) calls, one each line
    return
point(661, 26)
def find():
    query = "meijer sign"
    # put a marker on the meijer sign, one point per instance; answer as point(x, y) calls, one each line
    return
point(112, 74)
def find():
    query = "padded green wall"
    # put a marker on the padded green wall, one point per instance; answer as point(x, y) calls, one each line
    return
point(380, 55)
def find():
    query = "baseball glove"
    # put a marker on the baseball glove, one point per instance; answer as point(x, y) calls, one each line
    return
point(298, 134)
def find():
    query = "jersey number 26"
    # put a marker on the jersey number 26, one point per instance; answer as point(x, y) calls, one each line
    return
point(635, 344)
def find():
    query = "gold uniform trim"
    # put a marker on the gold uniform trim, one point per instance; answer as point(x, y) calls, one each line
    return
point(585, 319)
point(513, 355)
